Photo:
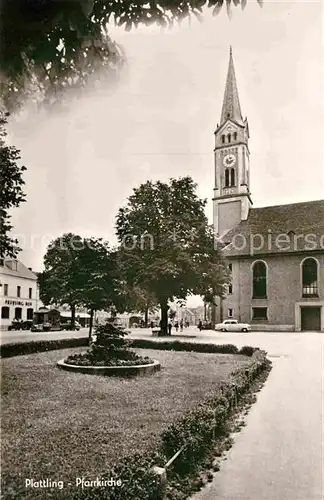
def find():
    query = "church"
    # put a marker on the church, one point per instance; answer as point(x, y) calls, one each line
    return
point(275, 253)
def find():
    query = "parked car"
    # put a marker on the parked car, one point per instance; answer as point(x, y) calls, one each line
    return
point(67, 325)
point(46, 326)
point(37, 327)
point(20, 325)
point(232, 325)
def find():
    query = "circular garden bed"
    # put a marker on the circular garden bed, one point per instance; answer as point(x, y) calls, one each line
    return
point(109, 354)
point(122, 370)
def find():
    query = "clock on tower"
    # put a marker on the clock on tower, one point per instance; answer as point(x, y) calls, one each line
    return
point(229, 160)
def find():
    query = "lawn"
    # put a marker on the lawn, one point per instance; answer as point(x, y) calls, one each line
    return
point(62, 425)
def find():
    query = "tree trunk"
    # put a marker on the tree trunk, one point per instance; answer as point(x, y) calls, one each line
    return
point(146, 316)
point(164, 316)
point(91, 323)
point(213, 314)
point(72, 316)
point(221, 312)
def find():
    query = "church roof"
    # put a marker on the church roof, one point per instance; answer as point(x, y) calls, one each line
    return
point(231, 105)
point(278, 229)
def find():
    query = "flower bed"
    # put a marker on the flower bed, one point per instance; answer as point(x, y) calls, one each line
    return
point(125, 370)
point(85, 360)
point(108, 350)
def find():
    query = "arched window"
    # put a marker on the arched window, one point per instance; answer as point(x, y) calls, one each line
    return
point(259, 280)
point(228, 137)
point(5, 312)
point(235, 136)
point(232, 177)
point(309, 277)
point(223, 139)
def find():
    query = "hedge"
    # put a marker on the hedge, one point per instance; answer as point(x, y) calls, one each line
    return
point(19, 349)
point(175, 345)
point(10, 350)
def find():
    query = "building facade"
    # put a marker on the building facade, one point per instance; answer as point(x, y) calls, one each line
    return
point(275, 254)
point(18, 292)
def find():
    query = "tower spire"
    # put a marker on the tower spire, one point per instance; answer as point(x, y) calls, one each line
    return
point(231, 105)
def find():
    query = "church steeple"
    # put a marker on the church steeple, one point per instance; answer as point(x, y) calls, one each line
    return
point(231, 105)
point(232, 198)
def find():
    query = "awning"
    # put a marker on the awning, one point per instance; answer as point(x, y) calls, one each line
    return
point(77, 315)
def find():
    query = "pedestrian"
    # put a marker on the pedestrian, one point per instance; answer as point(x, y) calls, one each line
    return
point(176, 326)
point(170, 327)
point(200, 325)
point(181, 325)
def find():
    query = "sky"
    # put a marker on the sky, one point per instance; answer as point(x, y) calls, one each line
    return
point(158, 122)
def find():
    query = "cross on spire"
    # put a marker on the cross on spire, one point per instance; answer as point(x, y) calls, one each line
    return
point(231, 105)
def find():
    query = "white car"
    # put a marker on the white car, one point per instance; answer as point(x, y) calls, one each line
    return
point(232, 325)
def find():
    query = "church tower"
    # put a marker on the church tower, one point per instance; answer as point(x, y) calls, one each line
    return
point(232, 198)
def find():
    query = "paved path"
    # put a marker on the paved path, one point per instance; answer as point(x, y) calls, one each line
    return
point(279, 454)
point(7, 337)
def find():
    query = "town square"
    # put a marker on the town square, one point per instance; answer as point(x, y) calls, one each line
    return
point(162, 250)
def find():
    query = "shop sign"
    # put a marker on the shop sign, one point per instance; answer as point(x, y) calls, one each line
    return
point(17, 303)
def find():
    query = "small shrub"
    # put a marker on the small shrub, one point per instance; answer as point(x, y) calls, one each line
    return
point(247, 350)
point(109, 348)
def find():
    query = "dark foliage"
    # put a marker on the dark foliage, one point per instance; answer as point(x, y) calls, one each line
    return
point(171, 253)
point(51, 45)
point(11, 190)
point(109, 348)
point(185, 346)
point(247, 350)
point(24, 348)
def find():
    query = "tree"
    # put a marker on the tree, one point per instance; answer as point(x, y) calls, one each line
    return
point(166, 244)
point(54, 45)
point(60, 282)
point(135, 299)
point(98, 278)
point(11, 190)
point(81, 272)
point(143, 302)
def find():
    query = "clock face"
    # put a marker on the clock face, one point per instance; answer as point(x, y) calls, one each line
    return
point(229, 160)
